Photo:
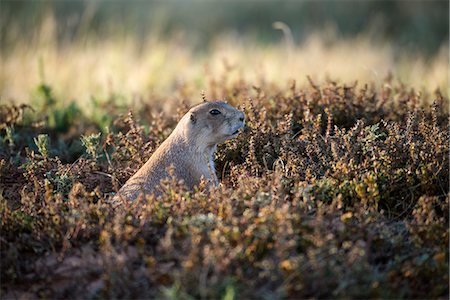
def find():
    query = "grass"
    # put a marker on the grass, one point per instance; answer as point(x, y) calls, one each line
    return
point(335, 189)
point(137, 70)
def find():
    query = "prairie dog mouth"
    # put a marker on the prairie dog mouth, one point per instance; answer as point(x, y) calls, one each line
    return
point(238, 130)
point(240, 125)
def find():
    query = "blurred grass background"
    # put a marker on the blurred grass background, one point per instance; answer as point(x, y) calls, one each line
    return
point(144, 48)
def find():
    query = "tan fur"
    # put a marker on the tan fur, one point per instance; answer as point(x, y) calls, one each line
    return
point(189, 149)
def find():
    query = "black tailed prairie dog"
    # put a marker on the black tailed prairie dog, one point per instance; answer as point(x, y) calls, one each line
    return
point(189, 149)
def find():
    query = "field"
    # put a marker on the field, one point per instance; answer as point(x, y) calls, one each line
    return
point(337, 188)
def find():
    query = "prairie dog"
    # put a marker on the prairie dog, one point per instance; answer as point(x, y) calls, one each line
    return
point(189, 149)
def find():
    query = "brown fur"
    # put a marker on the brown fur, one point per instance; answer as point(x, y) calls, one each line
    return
point(189, 149)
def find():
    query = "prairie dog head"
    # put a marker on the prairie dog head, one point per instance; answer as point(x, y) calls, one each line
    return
point(211, 123)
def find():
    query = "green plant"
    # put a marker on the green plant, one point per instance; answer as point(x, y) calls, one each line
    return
point(42, 143)
point(91, 143)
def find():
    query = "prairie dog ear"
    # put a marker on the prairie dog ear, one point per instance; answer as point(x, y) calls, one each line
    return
point(193, 118)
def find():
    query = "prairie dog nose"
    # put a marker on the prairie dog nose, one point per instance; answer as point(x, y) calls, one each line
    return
point(241, 117)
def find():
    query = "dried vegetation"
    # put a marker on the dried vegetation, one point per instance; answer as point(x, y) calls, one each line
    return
point(332, 191)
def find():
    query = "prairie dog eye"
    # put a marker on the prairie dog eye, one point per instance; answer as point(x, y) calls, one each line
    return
point(215, 112)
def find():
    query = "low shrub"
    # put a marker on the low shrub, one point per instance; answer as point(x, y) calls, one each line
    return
point(331, 191)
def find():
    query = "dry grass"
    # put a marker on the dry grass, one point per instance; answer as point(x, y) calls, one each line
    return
point(332, 191)
point(159, 66)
